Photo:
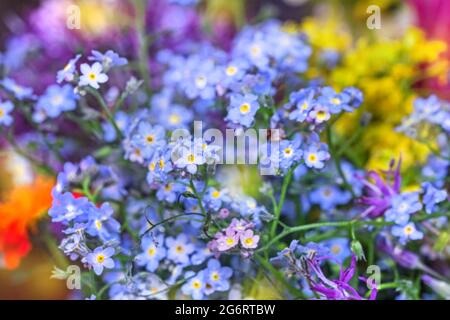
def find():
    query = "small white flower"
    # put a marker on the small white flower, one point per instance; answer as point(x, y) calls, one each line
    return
point(92, 75)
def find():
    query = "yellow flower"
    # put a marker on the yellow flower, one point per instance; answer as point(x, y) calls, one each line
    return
point(99, 17)
point(384, 143)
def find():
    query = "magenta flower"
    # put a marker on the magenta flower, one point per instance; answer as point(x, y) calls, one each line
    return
point(338, 289)
point(380, 192)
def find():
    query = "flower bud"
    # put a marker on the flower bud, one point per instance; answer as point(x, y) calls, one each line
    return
point(357, 249)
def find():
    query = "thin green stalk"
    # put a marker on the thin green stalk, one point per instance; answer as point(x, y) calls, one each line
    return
point(346, 224)
point(105, 108)
point(202, 209)
point(277, 210)
point(144, 69)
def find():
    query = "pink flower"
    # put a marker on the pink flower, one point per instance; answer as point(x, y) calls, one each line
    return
point(249, 240)
point(224, 213)
point(227, 241)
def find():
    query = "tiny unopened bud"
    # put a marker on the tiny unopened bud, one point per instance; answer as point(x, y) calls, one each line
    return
point(224, 213)
point(358, 250)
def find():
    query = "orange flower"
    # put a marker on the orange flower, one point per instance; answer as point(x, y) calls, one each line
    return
point(19, 211)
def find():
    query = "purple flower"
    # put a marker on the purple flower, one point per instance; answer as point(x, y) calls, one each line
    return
point(338, 289)
point(403, 205)
point(243, 109)
point(339, 248)
point(5, 108)
point(315, 157)
point(66, 208)
point(379, 193)
point(101, 222)
point(290, 152)
point(432, 196)
point(179, 249)
point(108, 59)
point(312, 250)
point(303, 101)
point(217, 277)
point(100, 258)
point(195, 285)
point(18, 91)
point(407, 232)
point(404, 258)
point(440, 287)
point(335, 102)
point(68, 72)
point(152, 252)
point(54, 101)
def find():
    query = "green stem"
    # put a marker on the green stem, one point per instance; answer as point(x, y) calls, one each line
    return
point(105, 108)
point(346, 224)
point(144, 69)
point(277, 210)
point(206, 214)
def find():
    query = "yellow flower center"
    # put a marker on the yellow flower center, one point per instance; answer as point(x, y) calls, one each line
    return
point(92, 76)
point(336, 101)
point(215, 194)
point(179, 249)
point(304, 106)
point(196, 284)
point(174, 118)
point(321, 115)
point(248, 241)
point(98, 224)
point(151, 251)
point(251, 204)
point(137, 152)
point(288, 151)
point(2, 113)
point(191, 158)
point(100, 258)
point(244, 108)
point(152, 166)
point(215, 276)
point(255, 50)
point(231, 71)
point(200, 81)
point(335, 249)
point(57, 100)
point(168, 187)
point(408, 230)
point(161, 164)
point(312, 157)
point(150, 138)
point(229, 241)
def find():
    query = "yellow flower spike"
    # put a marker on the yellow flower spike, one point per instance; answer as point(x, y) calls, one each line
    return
point(385, 144)
point(322, 34)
